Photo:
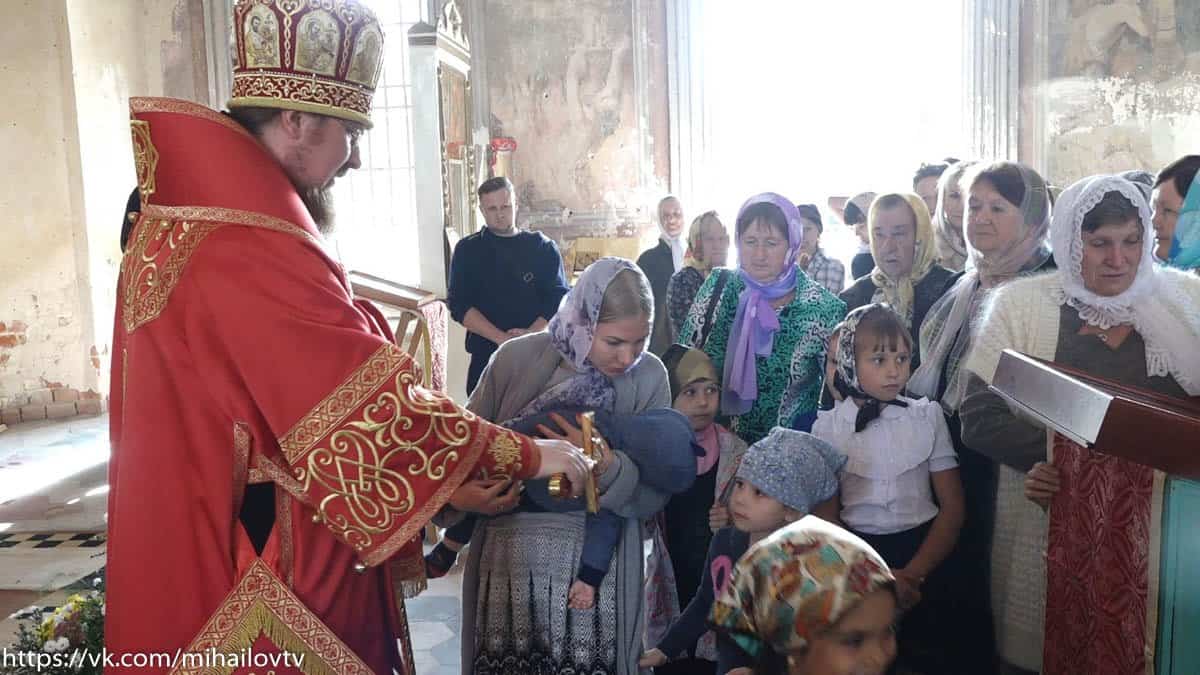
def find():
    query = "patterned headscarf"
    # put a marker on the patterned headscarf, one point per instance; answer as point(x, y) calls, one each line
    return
point(1170, 338)
point(846, 378)
point(796, 469)
point(572, 331)
point(899, 292)
point(796, 584)
point(946, 332)
point(951, 241)
point(696, 257)
point(755, 322)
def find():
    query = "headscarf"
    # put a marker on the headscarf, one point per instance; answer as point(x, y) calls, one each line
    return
point(796, 584)
point(685, 366)
point(794, 468)
point(1170, 338)
point(845, 380)
point(946, 332)
point(572, 331)
point(951, 241)
point(697, 257)
point(755, 323)
point(1185, 243)
point(676, 243)
point(899, 292)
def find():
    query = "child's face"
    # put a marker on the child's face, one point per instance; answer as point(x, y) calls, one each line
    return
point(863, 642)
point(754, 512)
point(699, 401)
point(882, 370)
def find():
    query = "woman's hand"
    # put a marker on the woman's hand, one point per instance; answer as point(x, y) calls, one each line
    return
point(652, 659)
point(488, 497)
point(1041, 484)
point(560, 456)
point(574, 435)
point(718, 517)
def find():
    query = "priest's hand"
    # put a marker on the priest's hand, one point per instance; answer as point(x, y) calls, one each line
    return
point(565, 458)
point(487, 497)
point(1041, 484)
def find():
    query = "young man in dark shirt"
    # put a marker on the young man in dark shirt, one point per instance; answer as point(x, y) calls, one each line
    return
point(504, 283)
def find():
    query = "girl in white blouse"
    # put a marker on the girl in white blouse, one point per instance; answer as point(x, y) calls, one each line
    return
point(900, 489)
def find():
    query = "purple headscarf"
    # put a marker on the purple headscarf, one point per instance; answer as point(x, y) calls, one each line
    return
point(755, 323)
point(572, 331)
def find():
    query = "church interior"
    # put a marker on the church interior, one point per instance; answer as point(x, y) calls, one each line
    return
point(594, 109)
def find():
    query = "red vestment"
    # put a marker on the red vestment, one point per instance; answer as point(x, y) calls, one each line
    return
point(239, 355)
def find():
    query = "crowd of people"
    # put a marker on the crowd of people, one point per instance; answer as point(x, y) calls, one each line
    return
point(837, 489)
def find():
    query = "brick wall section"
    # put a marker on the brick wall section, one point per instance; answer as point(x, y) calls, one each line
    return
point(42, 400)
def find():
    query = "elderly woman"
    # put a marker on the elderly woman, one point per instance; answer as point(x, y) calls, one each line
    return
point(906, 275)
point(948, 218)
point(522, 565)
point(660, 264)
point(770, 323)
point(708, 247)
point(810, 599)
point(1007, 228)
point(1108, 310)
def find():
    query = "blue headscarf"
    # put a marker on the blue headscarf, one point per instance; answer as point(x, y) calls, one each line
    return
point(1185, 243)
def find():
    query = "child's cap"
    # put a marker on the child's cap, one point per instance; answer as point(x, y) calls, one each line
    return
point(686, 365)
point(797, 469)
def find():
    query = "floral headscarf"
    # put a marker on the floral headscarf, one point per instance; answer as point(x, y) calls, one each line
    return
point(755, 322)
point(899, 292)
point(846, 378)
point(796, 584)
point(1170, 338)
point(572, 331)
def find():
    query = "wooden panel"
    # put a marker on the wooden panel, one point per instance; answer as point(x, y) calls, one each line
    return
point(1179, 610)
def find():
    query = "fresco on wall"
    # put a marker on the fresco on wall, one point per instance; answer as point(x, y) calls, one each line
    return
point(561, 83)
point(1123, 89)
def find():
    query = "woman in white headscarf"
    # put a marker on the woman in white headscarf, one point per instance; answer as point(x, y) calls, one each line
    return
point(660, 264)
point(1110, 311)
point(1007, 224)
point(948, 218)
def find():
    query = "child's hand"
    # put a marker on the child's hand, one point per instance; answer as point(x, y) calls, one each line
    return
point(652, 659)
point(718, 517)
point(740, 671)
point(908, 588)
point(581, 596)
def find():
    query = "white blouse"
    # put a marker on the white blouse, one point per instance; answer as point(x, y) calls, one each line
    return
point(886, 485)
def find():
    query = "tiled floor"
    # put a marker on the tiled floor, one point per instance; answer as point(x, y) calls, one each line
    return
point(53, 479)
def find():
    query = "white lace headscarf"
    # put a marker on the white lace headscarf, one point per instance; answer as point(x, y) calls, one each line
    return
point(946, 332)
point(1170, 335)
point(951, 240)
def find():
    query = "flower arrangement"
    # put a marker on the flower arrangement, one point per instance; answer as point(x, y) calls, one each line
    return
point(72, 630)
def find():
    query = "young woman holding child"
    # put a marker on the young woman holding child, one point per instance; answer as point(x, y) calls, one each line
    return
point(900, 489)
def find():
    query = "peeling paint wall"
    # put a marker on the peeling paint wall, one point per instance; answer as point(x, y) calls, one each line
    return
point(582, 88)
point(1120, 88)
point(68, 170)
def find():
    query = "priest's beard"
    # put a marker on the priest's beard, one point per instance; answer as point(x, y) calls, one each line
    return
point(320, 206)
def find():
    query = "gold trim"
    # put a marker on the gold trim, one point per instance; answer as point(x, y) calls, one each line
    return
point(145, 158)
point(231, 217)
point(241, 465)
point(301, 106)
point(287, 548)
point(159, 104)
point(260, 604)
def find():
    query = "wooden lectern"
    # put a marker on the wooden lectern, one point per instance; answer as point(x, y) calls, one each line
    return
point(1122, 595)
